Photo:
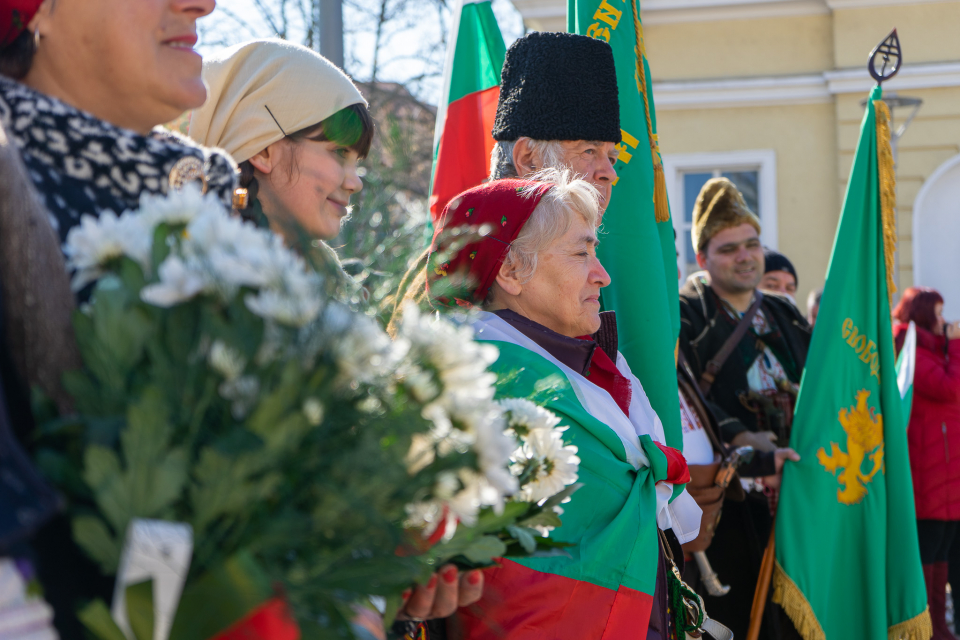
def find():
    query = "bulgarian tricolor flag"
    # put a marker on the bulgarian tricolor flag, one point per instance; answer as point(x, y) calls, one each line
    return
point(471, 88)
point(601, 586)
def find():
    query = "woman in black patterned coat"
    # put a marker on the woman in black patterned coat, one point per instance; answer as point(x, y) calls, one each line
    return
point(84, 86)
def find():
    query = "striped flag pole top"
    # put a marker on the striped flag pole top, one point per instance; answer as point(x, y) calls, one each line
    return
point(471, 88)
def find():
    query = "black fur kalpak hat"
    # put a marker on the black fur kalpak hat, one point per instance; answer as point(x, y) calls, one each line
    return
point(558, 86)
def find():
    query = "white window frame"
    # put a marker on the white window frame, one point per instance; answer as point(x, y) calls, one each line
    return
point(763, 161)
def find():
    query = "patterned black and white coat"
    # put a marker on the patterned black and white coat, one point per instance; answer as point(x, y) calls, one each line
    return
point(82, 165)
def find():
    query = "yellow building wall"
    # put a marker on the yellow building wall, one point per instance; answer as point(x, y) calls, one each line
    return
point(739, 48)
point(932, 139)
point(927, 32)
point(804, 140)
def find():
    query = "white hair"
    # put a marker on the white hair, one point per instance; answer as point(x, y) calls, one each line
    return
point(550, 153)
point(552, 218)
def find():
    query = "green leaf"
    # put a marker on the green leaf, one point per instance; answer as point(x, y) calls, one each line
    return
point(485, 549)
point(101, 466)
point(226, 485)
point(479, 550)
point(120, 330)
point(489, 521)
point(526, 537)
point(96, 540)
point(553, 501)
point(160, 248)
point(132, 275)
point(542, 518)
point(153, 475)
point(140, 609)
point(277, 405)
point(97, 619)
point(220, 597)
point(393, 604)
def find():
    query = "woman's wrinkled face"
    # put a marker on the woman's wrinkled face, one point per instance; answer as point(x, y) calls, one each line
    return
point(564, 292)
point(307, 190)
point(130, 62)
point(594, 161)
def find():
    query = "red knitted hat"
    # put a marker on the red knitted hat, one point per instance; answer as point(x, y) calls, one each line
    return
point(473, 236)
point(15, 15)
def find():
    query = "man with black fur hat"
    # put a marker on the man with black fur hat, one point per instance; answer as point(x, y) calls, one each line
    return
point(746, 350)
point(559, 108)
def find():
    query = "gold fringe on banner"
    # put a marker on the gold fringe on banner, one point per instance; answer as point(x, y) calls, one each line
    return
point(888, 191)
point(660, 204)
point(787, 594)
point(917, 628)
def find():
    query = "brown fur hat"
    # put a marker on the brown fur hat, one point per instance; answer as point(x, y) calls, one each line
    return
point(719, 206)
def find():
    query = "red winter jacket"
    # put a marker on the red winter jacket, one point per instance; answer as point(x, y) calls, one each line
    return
point(934, 431)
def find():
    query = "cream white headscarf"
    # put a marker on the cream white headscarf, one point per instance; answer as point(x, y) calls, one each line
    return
point(261, 91)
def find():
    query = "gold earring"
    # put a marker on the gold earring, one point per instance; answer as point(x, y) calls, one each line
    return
point(36, 38)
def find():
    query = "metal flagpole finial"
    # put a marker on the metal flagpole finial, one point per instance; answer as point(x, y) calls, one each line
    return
point(889, 57)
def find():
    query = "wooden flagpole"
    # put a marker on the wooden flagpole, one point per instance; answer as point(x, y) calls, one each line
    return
point(763, 586)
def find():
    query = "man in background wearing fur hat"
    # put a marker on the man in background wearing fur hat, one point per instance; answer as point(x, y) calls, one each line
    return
point(559, 109)
point(747, 351)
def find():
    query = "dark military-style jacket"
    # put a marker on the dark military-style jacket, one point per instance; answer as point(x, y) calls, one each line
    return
point(704, 327)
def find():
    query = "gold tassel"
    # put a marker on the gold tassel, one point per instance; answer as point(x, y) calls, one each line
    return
point(917, 628)
point(661, 206)
point(787, 594)
point(888, 191)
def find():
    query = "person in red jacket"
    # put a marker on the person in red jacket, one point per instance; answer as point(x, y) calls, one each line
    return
point(934, 439)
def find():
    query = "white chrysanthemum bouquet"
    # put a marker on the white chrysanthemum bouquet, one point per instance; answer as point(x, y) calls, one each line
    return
point(309, 456)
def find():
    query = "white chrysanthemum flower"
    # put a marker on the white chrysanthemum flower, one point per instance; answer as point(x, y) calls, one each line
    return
point(179, 282)
point(271, 304)
point(237, 254)
point(179, 207)
point(421, 454)
point(524, 416)
point(426, 517)
point(226, 361)
point(96, 241)
point(446, 368)
point(554, 465)
point(243, 392)
point(363, 350)
point(313, 410)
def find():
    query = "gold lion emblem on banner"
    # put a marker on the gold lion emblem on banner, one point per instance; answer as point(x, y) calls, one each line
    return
point(864, 438)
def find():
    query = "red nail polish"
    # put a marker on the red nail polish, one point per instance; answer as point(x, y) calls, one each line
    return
point(433, 582)
point(450, 574)
point(406, 594)
point(474, 578)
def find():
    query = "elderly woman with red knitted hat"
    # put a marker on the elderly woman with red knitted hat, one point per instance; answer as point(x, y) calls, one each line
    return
point(523, 252)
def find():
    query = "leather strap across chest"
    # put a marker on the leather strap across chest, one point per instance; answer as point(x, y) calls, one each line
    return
point(713, 367)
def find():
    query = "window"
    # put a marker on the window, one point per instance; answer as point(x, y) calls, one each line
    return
point(754, 173)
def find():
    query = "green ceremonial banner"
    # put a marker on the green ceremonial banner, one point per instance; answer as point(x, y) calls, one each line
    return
point(636, 249)
point(848, 564)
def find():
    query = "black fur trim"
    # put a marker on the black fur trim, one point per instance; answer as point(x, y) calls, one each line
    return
point(558, 86)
